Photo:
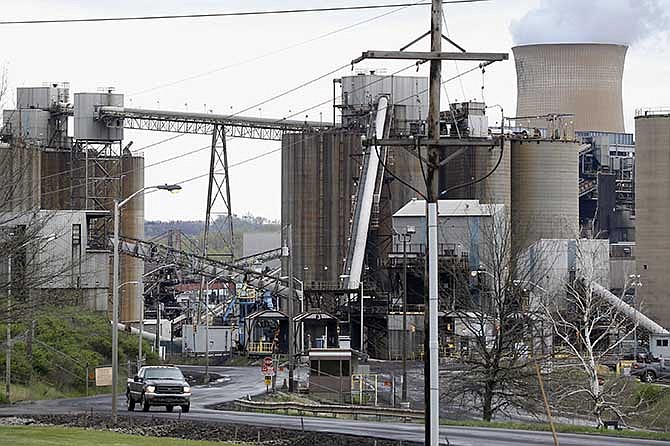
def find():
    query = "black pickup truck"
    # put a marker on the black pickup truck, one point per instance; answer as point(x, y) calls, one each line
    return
point(159, 386)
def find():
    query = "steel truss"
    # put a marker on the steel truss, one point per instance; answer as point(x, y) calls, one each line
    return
point(204, 123)
point(202, 266)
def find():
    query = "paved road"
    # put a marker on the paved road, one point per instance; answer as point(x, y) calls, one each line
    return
point(240, 381)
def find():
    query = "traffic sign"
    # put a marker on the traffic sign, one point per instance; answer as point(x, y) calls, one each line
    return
point(267, 367)
point(268, 380)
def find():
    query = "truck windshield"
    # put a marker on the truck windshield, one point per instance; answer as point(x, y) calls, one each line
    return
point(163, 374)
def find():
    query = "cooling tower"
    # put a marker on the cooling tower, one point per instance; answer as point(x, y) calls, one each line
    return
point(583, 79)
point(652, 213)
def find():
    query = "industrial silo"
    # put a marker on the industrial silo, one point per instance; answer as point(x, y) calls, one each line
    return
point(545, 191)
point(318, 171)
point(583, 79)
point(132, 225)
point(652, 212)
point(492, 164)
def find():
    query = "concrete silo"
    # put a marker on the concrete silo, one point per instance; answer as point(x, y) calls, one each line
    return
point(545, 190)
point(652, 212)
point(583, 79)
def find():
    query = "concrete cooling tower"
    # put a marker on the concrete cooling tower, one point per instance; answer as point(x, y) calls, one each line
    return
point(583, 79)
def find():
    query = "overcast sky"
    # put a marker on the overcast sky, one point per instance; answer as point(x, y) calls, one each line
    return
point(144, 60)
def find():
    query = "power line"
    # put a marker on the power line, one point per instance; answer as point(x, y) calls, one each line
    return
point(270, 53)
point(226, 14)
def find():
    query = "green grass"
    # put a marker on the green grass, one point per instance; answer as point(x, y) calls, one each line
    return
point(561, 428)
point(65, 436)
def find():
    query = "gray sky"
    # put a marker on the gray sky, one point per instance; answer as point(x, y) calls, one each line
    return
point(138, 57)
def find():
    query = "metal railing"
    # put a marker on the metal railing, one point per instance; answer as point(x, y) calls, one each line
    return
point(657, 111)
point(330, 409)
point(260, 347)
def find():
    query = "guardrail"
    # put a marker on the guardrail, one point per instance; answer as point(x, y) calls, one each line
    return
point(331, 409)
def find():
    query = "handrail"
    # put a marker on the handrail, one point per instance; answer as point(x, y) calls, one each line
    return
point(339, 409)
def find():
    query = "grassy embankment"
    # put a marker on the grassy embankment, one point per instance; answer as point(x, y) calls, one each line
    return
point(65, 436)
point(66, 340)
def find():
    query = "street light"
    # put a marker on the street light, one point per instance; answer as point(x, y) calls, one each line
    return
point(139, 348)
point(115, 285)
point(635, 283)
point(407, 236)
point(360, 287)
point(8, 352)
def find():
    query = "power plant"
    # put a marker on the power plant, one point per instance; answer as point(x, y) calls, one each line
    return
point(562, 169)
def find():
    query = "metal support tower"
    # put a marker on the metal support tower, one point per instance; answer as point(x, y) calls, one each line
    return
point(219, 214)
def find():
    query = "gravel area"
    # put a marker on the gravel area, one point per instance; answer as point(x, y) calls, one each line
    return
point(196, 430)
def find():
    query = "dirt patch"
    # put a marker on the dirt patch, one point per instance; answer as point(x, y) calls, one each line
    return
point(200, 430)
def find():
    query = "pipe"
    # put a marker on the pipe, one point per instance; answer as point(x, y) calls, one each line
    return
point(362, 225)
point(135, 331)
point(629, 311)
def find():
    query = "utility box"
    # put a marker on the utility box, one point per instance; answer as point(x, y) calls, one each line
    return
point(220, 338)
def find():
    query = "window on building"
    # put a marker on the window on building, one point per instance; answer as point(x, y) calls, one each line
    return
point(661, 342)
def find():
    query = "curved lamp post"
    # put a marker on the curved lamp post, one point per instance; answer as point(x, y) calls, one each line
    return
point(115, 285)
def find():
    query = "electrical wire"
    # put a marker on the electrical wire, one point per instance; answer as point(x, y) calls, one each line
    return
point(227, 14)
point(271, 53)
point(478, 180)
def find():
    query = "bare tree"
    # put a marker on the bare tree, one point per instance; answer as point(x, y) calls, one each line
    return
point(498, 327)
point(590, 328)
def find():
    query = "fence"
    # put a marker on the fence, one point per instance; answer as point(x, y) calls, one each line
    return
point(316, 409)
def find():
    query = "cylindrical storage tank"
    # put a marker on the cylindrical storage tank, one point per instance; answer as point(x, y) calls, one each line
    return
point(545, 190)
point(317, 188)
point(19, 177)
point(131, 225)
point(473, 164)
point(652, 213)
point(578, 78)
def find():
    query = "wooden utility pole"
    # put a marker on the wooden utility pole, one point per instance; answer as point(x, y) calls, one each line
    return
point(432, 166)
point(430, 346)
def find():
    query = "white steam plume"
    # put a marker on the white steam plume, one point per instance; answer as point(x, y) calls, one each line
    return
point(592, 21)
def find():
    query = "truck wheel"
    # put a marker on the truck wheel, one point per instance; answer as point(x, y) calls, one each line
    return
point(169, 408)
point(145, 404)
point(186, 407)
point(130, 402)
point(649, 377)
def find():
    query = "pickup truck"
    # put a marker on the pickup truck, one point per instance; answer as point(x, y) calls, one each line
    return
point(651, 371)
point(159, 386)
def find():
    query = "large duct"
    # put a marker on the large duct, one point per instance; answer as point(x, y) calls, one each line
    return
point(583, 79)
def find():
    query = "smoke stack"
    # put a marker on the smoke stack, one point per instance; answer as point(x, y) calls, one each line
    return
point(583, 79)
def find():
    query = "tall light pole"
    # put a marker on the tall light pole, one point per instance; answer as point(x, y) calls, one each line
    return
point(207, 324)
point(139, 348)
point(115, 286)
point(407, 236)
point(635, 283)
point(302, 309)
point(8, 351)
point(287, 253)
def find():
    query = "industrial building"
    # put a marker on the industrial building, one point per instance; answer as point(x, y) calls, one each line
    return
point(72, 181)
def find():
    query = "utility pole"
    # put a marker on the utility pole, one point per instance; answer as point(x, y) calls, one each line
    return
point(431, 361)
point(432, 166)
point(8, 351)
point(403, 393)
